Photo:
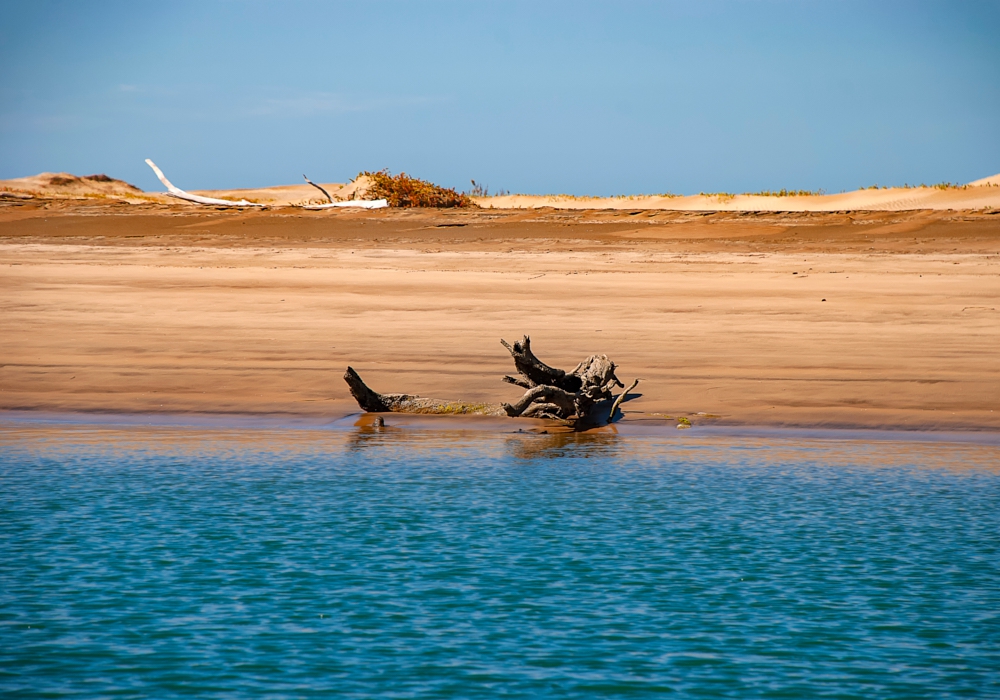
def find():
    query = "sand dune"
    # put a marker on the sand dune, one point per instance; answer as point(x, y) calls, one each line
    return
point(986, 194)
point(95, 187)
point(981, 194)
point(993, 181)
point(69, 186)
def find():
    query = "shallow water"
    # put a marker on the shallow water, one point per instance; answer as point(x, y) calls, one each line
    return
point(180, 561)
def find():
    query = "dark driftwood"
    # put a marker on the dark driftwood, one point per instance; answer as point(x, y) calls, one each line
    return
point(327, 194)
point(621, 397)
point(370, 401)
point(374, 402)
point(582, 397)
point(534, 372)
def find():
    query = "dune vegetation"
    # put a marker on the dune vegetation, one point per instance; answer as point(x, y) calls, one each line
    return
point(405, 191)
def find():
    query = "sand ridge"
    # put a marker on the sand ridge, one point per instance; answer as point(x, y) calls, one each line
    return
point(981, 194)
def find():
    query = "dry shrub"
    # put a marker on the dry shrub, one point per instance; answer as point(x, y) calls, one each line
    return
point(64, 180)
point(405, 191)
point(787, 193)
point(101, 177)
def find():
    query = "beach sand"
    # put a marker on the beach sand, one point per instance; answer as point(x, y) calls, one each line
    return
point(171, 308)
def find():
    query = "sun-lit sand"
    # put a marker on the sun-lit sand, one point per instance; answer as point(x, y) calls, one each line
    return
point(836, 319)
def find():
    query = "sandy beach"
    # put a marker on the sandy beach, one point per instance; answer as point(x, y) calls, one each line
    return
point(872, 319)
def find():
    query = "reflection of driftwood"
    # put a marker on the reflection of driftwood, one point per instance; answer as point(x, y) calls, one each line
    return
point(197, 198)
point(325, 193)
point(591, 444)
point(583, 397)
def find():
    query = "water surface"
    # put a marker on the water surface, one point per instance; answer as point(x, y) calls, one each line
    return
point(145, 561)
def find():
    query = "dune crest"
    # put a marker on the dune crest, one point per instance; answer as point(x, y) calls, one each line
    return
point(69, 186)
point(992, 181)
point(981, 194)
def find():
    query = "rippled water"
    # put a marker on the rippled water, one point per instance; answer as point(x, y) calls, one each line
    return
point(184, 562)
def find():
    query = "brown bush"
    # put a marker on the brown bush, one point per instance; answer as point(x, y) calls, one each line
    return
point(101, 177)
point(405, 191)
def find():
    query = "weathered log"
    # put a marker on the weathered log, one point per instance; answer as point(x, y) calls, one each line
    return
point(582, 398)
point(536, 372)
point(196, 198)
point(370, 401)
point(374, 402)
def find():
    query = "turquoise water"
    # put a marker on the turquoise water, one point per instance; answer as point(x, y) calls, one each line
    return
point(189, 562)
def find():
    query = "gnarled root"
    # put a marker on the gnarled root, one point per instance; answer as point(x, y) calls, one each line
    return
point(547, 395)
point(534, 371)
point(621, 397)
point(580, 396)
point(542, 410)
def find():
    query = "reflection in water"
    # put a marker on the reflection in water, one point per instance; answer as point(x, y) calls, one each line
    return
point(403, 439)
point(552, 442)
point(591, 444)
point(556, 442)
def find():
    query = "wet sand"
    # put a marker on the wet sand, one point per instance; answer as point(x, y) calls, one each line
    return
point(166, 308)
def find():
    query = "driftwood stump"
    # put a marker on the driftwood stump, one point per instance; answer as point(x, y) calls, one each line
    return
point(584, 395)
point(581, 398)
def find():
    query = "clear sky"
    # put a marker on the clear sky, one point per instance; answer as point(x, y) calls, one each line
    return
point(541, 97)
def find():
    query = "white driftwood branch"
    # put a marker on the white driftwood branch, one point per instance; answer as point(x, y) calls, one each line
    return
point(181, 194)
point(363, 203)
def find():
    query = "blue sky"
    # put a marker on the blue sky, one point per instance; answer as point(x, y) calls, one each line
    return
point(542, 97)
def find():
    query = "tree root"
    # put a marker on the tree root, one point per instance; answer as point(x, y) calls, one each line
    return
point(621, 397)
point(579, 398)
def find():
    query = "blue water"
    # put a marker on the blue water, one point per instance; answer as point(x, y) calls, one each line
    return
point(188, 562)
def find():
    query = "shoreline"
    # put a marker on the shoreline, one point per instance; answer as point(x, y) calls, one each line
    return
point(640, 428)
